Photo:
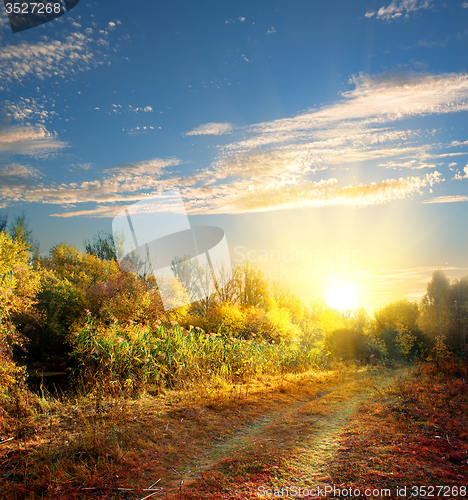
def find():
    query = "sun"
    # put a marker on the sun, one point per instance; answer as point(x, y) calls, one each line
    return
point(342, 297)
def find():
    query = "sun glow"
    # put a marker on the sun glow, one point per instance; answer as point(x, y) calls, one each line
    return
point(342, 297)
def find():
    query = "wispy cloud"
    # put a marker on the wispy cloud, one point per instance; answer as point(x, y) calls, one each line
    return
point(14, 172)
point(414, 164)
point(285, 163)
point(399, 8)
point(411, 282)
point(212, 129)
point(29, 140)
point(121, 184)
point(447, 199)
point(322, 194)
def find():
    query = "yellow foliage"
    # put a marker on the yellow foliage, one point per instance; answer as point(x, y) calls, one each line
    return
point(282, 327)
point(78, 268)
point(18, 287)
point(232, 318)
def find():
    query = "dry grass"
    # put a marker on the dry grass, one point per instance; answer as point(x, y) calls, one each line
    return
point(63, 447)
point(224, 441)
point(414, 434)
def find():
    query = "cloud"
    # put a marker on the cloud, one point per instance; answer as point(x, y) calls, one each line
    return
point(284, 163)
point(211, 129)
point(232, 20)
point(322, 194)
point(46, 59)
point(140, 130)
point(120, 108)
point(447, 199)
point(459, 176)
point(154, 167)
point(29, 109)
point(412, 282)
point(376, 100)
point(62, 57)
point(14, 173)
point(29, 140)
point(464, 5)
point(397, 9)
point(412, 164)
point(124, 183)
point(271, 30)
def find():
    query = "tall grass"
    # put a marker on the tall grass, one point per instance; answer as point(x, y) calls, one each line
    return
point(132, 357)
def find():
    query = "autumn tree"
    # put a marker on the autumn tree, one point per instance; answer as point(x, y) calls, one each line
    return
point(459, 300)
point(19, 285)
point(396, 324)
point(435, 307)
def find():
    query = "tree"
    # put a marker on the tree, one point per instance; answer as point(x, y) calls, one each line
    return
point(80, 269)
point(229, 284)
point(61, 304)
point(438, 295)
point(459, 299)
point(197, 280)
point(253, 288)
point(392, 316)
point(3, 222)
point(396, 325)
point(285, 299)
point(19, 285)
point(20, 232)
point(102, 246)
point(435, 308)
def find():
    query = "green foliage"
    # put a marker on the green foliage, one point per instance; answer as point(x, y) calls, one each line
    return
point(398, 314)
point(102, 246)
point(129, 357)
point(444, 311)
point(352, 344)
point(3, 222)
point(405, 341)
point(397, 326)
point(61, 303)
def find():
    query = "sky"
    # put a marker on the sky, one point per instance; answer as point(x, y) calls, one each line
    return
point(328, 139)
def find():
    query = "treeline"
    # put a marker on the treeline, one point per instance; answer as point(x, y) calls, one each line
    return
point(81, 311)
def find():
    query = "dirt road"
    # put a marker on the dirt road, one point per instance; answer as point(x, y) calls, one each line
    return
point(285, 447)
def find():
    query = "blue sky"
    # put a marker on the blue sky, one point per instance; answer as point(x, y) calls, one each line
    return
point(318, 126)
